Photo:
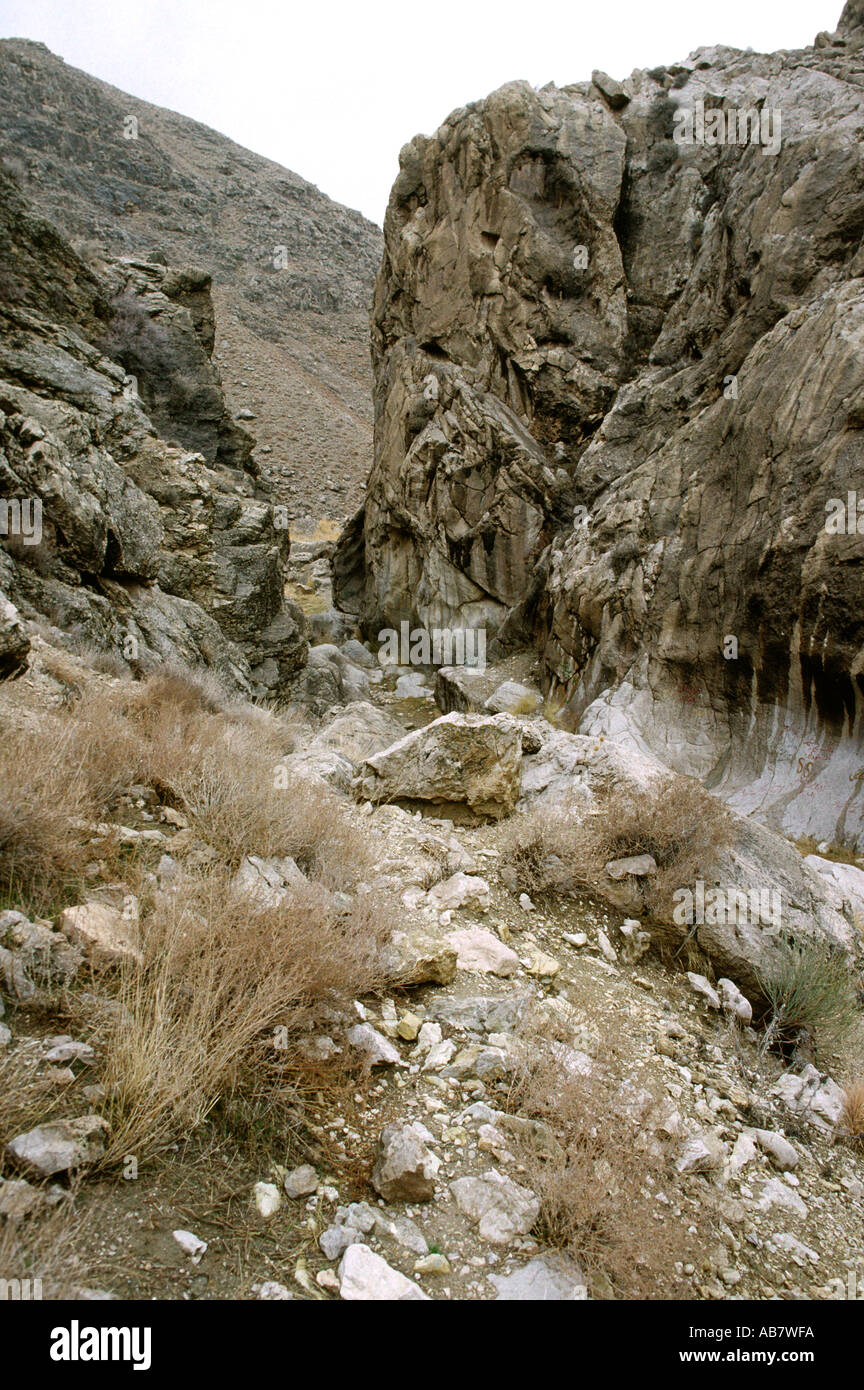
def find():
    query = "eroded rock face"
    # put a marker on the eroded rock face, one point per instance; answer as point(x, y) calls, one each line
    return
point(143, 546)
point(618, 384)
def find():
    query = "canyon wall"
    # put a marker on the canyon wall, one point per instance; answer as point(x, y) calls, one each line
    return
point(618, 343)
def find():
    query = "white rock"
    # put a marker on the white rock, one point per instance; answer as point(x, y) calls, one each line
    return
point(702, 986)
point(301, 1182)
point(812, 1095)
point(60, 1146)
point(639, 865)
point(800, 1253)
point(376, 1048)
point(271, 1292)
point(191, 1245)
point(477, 949)
point(429, 1036)
point(440, 1055)
point(546, 1279)
point(458, 891)
point(778, 1148)
point(525, 903)
point(107, 935)
point(734, 1002)
point(606, 948)
point(336, 1239)
point(701, 1153)
point(366, 1277)
point(405, 1168)
point(539, 963)
point(776, 1193)
point(269, 881)
point(743, 1152)
point(501, 1208)
point(268, 1199)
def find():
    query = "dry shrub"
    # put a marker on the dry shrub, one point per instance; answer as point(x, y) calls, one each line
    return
point(237, 804)
point(226, 987)
point(216, 762)
point(598, 1192)
point(852, 1118)
point(45, 794)
point(48, 1246)
point(677, 822)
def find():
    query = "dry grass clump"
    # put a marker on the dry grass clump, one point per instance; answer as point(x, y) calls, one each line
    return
point(810, 988)
point(28, 1096)
point(49, 1248)
point(215, 762)
point(227, 987)
point(598, 1191)
point(852, 1118)
point(45, 795)
point(677, 822)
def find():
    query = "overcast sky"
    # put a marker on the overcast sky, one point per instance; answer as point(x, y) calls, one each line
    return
point(334, 89)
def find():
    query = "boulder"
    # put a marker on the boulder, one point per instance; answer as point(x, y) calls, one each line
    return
point(500, 1208)
point(108, 936)
point(405, 1168)
point(479, 950)
point(457, 758)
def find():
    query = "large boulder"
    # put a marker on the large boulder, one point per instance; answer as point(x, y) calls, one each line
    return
point(457, 758)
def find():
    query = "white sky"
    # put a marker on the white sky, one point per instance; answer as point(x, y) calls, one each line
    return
point(333, 89)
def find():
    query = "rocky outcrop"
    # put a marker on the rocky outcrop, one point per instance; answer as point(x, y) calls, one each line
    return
point(138, 545)
point(618, 373)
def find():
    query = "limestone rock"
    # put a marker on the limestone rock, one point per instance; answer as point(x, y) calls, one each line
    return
point(457, 758)
point(501, 1208)
point(366, 1277)
point(374, 1047)
point(61, 1146)
point(460, 890)
point(267, 1198)
point(14, 642)
point(301, 1182)
point(109, 936)
point(556, 470)
point(405, 1166)
point(812, 1095)
point(782, 1154)
point(546, 1279)
point(479, 950)
point(421, 958)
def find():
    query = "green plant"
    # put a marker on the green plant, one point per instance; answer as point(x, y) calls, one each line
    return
point(811, 992)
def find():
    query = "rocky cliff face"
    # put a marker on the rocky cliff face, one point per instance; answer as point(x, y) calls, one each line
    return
point(127, 516)
point(619, 372)
point(292, 270)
